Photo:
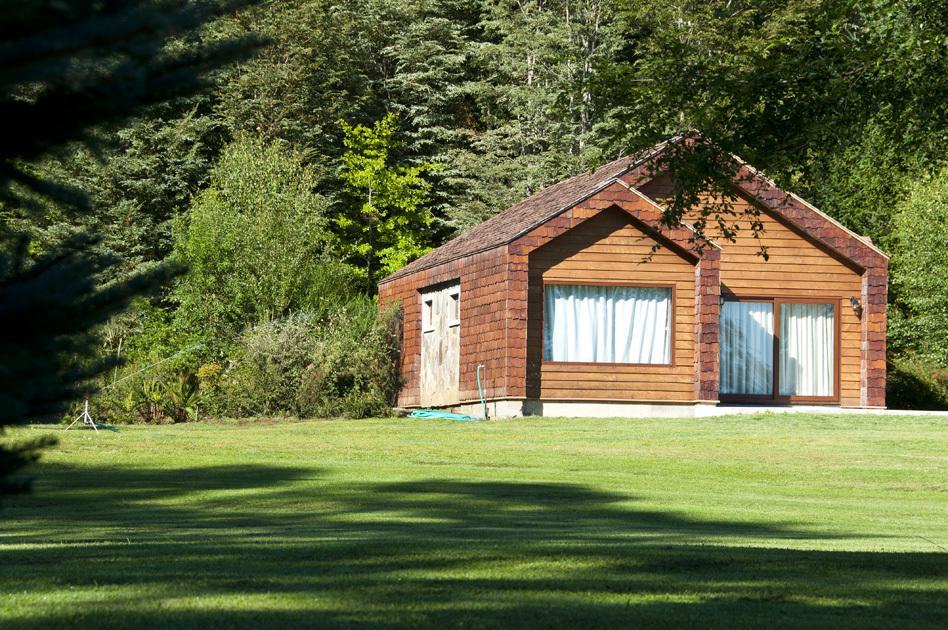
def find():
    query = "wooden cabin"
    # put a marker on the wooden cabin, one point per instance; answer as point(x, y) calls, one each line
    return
point(567, 311)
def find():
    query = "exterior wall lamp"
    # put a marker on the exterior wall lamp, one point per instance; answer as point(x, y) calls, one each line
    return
point(857, 307)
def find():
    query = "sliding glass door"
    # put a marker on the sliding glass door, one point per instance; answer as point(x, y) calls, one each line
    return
point(807, 349)
point(779, 349)
point(747, 348)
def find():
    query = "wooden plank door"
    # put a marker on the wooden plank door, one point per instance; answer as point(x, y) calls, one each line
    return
point(440, 345)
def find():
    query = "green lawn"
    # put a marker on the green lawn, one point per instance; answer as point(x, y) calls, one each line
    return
point(774, 520)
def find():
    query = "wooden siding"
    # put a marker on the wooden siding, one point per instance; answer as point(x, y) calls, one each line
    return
point(796, 267)
point(483, 341)
point(609, 248)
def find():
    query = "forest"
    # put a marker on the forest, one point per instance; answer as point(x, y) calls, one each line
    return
point(358, 135)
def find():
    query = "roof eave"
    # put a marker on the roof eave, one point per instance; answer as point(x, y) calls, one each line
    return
point(810, 206)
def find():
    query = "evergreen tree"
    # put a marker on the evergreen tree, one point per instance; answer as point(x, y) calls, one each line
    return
point(431, 69)
point(66, 67)
point(326, 62)
point(135, 187)
point(535, 110)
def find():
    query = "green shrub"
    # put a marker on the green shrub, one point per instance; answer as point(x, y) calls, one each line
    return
point(161, 395)
point(916, 384)
point(266, 367)
point(343, 364)
point(354, 372)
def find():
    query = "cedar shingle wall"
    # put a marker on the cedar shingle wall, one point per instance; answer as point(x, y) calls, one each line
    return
point(483, 322)
point(608, 248)
point(707, 329)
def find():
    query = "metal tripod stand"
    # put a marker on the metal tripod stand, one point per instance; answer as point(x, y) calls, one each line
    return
point(85, 418)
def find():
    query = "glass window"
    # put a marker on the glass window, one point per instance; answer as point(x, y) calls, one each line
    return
point(607, 324)
point(807, 340)
point(747, 348)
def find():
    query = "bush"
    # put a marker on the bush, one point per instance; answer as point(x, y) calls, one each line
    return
point(266, 367)
point(916, 384)
point(354, 372)
point(343, 364)
point(280, 323)
point(159, 396)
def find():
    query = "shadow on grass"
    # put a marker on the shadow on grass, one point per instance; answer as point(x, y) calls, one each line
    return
point(262, 545)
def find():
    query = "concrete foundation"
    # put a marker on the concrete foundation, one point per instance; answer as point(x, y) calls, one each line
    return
point(495, 409)
point(516, 408)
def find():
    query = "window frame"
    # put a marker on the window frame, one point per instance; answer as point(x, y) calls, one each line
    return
point(427, 314)
point(455, 294)
point(775, 397)
point(672, 355)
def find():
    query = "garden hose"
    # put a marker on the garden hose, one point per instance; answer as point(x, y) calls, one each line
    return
point(480, 390)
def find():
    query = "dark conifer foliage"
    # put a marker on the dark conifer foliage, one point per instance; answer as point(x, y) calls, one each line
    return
point(67, 67)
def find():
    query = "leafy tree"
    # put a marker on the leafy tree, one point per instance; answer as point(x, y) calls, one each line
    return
point(257, 245)
point(66, 67)
point(842, 102)
point(920, 272)
point(389, 226)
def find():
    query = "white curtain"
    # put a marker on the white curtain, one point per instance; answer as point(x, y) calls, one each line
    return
point(606, 324)
point(807, 338)
point(747, 348)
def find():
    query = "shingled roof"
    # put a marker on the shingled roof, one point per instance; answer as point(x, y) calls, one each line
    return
point(521, 217)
